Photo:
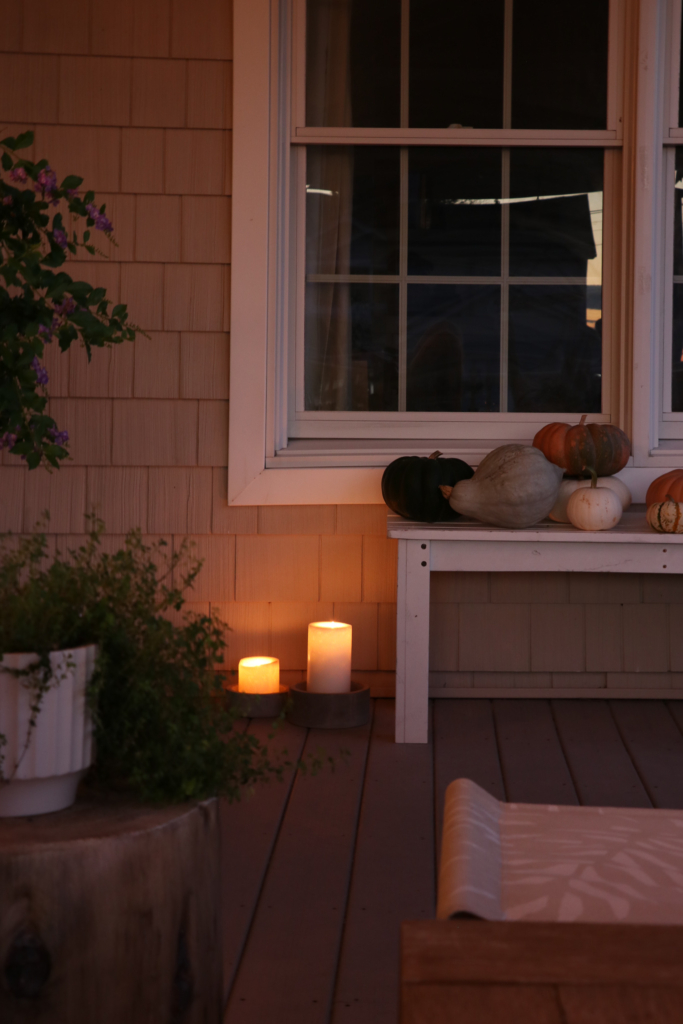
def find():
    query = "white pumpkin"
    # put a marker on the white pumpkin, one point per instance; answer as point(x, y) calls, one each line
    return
point(559, 510)
point(666, 516)
point(515, 486)
point(594, 508)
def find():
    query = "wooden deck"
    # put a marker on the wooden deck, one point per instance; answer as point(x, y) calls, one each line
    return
point(320, 871)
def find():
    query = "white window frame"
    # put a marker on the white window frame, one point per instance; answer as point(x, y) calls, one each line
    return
point(263, 309)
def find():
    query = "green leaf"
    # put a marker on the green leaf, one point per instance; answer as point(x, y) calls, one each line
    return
point(24, 140)
point(6, 162)
point(72, 181)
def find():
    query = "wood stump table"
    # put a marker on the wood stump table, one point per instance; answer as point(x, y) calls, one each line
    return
point(109, 912)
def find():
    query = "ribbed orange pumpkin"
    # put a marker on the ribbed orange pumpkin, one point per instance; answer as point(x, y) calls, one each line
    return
point(599, 446)
point(670, 483)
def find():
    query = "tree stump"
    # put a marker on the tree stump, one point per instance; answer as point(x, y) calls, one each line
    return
point(109, 915)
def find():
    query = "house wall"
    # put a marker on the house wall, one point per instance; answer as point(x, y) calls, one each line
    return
point(136, 97)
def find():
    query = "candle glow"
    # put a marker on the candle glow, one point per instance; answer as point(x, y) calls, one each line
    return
point(329, 657)
point(259, 675)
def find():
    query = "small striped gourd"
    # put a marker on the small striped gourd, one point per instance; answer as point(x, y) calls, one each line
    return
point(666, 516)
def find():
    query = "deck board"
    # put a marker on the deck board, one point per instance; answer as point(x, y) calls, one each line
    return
point(464, 747)
point(655, 743)
point(393, 875)
point(600, 766)
point(248, 833)
point(287, 970)
point(534, 767)
point(321, 871)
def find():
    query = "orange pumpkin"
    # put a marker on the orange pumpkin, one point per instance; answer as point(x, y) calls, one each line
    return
point(599, 446)
point(670, 483)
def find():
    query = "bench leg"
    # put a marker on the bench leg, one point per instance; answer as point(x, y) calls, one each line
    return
point(412, 642)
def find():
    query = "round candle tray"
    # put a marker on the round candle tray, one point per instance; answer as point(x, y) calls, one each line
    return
point(329, 710)
point(256, 705)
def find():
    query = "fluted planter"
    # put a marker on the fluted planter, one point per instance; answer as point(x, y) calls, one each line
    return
point(60, 747)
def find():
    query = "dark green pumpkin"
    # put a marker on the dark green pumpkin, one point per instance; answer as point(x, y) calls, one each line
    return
point(410, 486)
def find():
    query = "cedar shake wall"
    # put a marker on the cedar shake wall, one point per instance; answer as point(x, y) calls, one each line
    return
point(136, 97)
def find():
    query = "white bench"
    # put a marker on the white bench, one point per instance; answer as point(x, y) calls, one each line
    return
point(468, 546)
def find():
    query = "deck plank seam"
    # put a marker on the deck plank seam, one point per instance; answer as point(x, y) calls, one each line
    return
point(352, 864)
point(228, 988)
point(634, 760)
point(563, 748)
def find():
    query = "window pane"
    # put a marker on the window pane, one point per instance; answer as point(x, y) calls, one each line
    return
point(351, 347)
point(556, 220)
point(453, 348)
point(352, 210)
point(555, 358)
point(559, 64)
point(353, 63)
point(677, 351)
point(680, 82)
point(677, 339)
point(456, 63)
point(454, 212)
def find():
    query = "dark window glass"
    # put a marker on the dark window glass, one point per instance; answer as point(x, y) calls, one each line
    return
point(680, 83)
point(555, 358)
point(454, 213)
point(677, 351)
point(351, 347)
point(456, 63)
point(559, 64)
point(553, 227)
point(352, 210)
point(453, 348)
point(353, 63)
point(677, 339)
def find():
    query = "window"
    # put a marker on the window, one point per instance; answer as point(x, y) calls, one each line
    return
point(437, 232)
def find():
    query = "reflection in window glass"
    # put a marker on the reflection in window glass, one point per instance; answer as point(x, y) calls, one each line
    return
point(351, 347)
point(456, 63)
point(353, 63)
point(485, 297)
point(555, 358)
point(556, 213)
point(559, 64)
point(454, 211)
point(352, 210)
point(453, 348)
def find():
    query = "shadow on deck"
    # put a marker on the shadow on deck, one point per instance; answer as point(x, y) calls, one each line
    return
point(320, 871)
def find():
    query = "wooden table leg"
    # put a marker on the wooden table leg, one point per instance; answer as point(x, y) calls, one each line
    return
point(412, 642)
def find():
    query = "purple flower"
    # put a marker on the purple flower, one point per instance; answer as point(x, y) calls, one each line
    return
point(60, 237)
point(102, 222)
point(47, 180)
point(66, 306)
point(45, 332)
point(18, 174)
point(59, 437)
point(8, 441)
point(71, 192)
point(7, 201)
point(40, 371)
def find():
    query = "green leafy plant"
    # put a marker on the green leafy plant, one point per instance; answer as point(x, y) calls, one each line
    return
point(161, 725)
point(41, 304)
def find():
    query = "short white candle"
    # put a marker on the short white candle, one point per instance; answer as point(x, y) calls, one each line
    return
point(329, 657)
point(259, 675)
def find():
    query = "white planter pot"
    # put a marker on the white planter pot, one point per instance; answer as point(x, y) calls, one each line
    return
point(60, 747)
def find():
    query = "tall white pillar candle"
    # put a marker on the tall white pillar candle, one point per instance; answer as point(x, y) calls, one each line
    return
point(259, 675)
point(329, 657)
